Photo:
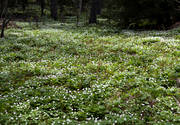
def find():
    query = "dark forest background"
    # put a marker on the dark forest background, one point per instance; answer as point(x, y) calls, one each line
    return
point(136, 14)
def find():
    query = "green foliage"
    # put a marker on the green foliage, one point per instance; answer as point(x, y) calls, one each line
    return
point(61, 74)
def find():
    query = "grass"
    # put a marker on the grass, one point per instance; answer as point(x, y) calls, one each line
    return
point(63, 74)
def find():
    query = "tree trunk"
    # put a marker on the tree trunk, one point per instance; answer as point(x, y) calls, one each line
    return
point(99, 6)
point(61, 12)
point(79, 11)
point(42, 7)
point(1, 7)
point(24, 5)
point(5, 20)
point(93, 12)
point(54, 9)
point(2, 28)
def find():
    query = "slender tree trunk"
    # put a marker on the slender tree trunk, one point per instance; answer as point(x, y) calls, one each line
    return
point(1, 7)
point(93, 12)
point(23, 5)
point(61, 12)
point(99, 6)
point(79, 11)
point(42, 7)
point(54, 9)
point(2, 28)
point(5, 20)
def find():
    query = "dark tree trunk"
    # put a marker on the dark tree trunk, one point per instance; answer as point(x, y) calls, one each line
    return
point(24, 3)
point(95, 9)
point(42, 7)
point(1, 7)
point(54, 9)
point(61, 12)
point(3, 27)
point(5, 19)
point(2, 31)
point(18, 1)
point(93, 12)
point(99, 6)
point(79, 11)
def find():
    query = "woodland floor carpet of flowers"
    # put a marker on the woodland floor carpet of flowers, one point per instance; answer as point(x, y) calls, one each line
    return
point(63, 74)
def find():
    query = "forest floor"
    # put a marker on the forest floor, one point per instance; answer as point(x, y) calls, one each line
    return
point(56, 73)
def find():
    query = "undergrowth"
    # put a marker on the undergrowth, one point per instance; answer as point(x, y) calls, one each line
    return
point(63, 74)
